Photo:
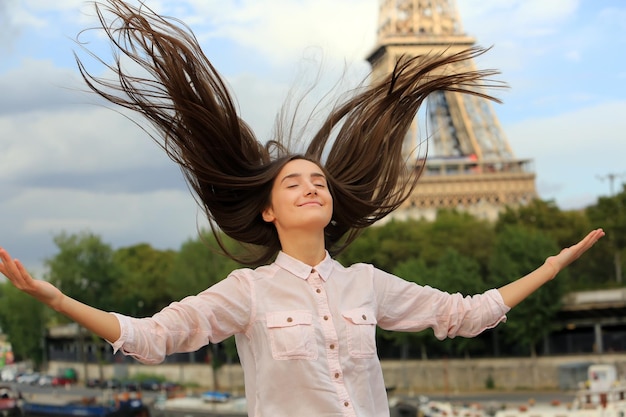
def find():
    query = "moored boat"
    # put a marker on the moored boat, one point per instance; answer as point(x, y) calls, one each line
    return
point(9, 402)
point(602, 395)
point(204, 405)
point(124, 404)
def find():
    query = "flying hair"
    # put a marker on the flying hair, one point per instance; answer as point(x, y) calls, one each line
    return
point(359, 146)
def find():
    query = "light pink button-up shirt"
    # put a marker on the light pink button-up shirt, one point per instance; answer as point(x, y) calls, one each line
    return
point(306, 336)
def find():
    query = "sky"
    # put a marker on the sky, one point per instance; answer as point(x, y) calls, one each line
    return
point(71, 164)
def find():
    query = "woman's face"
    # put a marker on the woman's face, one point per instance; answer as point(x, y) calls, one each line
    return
point(300, 198)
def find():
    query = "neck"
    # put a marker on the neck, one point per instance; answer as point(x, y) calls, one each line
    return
point(305, 247)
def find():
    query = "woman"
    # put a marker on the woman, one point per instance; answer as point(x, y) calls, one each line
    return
point(304, 324)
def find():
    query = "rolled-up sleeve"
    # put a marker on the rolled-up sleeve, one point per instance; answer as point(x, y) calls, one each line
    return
point(406, 306)
point(184, 326)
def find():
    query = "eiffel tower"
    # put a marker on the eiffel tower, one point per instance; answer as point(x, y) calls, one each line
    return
point(470, 166)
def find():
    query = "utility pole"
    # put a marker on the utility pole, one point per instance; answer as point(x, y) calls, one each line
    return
point(611, 177)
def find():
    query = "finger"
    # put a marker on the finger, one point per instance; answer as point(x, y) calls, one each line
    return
point(8, 268)
point(593, 237)
point(585, 244)
point(21, 269)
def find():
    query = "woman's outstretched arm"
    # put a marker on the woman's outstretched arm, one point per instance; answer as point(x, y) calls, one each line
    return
point(99, 322)
point(516, 291)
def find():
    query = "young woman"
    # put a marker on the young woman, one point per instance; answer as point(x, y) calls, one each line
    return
point(304, 324)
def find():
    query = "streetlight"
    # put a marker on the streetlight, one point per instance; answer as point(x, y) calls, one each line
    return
point(611, 177)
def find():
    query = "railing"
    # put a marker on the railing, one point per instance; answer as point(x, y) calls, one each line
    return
point(468, 166)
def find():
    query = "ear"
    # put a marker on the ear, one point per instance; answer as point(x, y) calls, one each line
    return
point(268, 215)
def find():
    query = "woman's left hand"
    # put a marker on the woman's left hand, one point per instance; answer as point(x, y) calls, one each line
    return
point(569, 255)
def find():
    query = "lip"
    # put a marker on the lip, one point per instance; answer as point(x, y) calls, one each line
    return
point(310, 203)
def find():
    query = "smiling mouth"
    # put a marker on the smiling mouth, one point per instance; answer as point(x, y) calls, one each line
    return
point(311, 203)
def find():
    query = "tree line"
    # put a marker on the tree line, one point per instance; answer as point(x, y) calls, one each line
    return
point(456, 252)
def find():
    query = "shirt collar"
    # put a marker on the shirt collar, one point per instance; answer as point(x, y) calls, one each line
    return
point(302, 270)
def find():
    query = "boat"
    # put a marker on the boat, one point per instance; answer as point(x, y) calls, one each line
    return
point(216, 396)
point(122, 404)
point(208, 404)
point(602, 395)
point(9, 402)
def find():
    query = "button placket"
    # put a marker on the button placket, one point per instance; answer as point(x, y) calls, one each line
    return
point(331, 342)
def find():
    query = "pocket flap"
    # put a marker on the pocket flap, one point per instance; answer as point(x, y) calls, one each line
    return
point(360, 316)
point(288, 318)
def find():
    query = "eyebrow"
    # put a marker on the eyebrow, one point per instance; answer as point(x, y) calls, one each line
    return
point(297, 174)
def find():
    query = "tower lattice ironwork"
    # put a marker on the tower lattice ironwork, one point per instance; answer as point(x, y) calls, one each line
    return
point(471, 165)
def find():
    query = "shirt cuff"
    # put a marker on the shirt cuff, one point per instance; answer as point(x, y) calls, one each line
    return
point(497, 296)
point(126, 332)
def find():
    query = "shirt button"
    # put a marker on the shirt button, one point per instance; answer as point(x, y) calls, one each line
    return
point(289, 319)
point(318, 291)
point(332, 346)
point(325, 317)
point(336, 374)
point(364, 317)
point(346, 404)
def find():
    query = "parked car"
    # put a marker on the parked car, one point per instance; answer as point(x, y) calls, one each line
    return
point(94, 383)
point(45, 380)
point(150, 385)
point(65, 377)
point(170, 386)
point(158, 385)
point(61, 381)
point(29, 378)
point(112, 383)
point(130, 385)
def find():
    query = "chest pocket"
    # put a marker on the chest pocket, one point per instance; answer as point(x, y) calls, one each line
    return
point(291, 334)
point(361, 331)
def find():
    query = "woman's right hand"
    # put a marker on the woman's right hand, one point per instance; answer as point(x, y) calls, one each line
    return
point(43, 291)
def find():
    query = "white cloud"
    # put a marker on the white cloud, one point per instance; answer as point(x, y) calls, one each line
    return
point(80, 140)
point(573, 150)
point(280, 29)
point(32, 216)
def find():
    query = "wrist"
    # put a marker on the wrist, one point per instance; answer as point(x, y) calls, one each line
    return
point(553, 267)
point(57, 303)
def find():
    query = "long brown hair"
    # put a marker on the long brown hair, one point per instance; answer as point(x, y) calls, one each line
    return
point(229, 171)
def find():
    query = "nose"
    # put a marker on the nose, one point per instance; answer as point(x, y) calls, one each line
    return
point(311, 189)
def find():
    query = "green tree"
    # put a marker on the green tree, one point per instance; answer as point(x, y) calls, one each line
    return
point(518, 251)
point(565, 228)
point(22, 319)
point(84, 269)
point(470, 237)
point(386, 245)
point(197, 266)
point(610, 213)
point(394, 242)
point(144, 285)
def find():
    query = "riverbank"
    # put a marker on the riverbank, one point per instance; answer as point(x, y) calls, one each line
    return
point(409, 377)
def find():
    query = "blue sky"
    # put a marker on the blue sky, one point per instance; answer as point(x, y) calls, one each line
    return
point(69, 164)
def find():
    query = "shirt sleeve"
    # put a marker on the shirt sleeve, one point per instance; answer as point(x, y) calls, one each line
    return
point(184, 326)
point(406, 306)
